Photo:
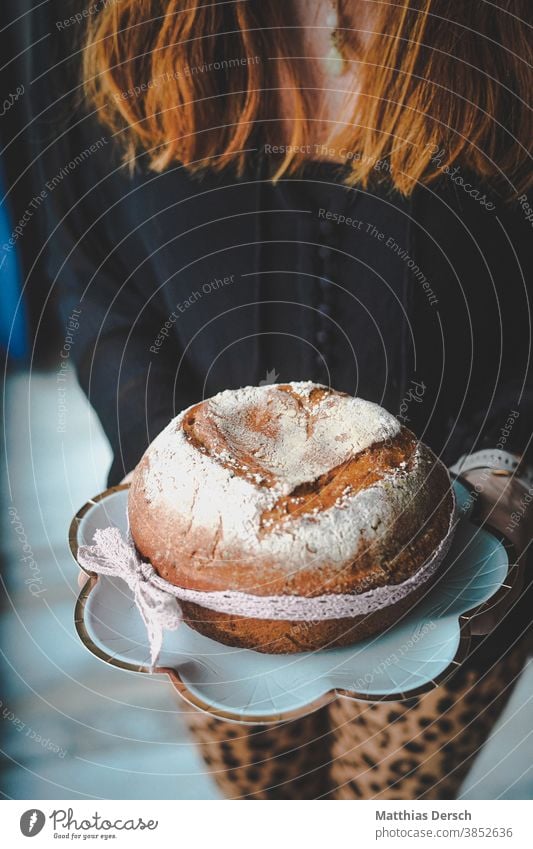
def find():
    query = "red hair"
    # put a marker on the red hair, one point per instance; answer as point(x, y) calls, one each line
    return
point(199, 82)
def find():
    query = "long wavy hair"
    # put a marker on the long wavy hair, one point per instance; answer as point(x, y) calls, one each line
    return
point(440, 84)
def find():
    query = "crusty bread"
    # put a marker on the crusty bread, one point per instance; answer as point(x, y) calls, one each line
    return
point(290, 490)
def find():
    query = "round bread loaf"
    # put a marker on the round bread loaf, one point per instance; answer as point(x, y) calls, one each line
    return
point(292, 490)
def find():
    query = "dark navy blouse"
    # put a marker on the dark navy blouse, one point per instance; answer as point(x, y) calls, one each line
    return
point(187, 286)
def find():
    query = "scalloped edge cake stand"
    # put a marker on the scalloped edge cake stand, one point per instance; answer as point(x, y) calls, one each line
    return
point(195, 696)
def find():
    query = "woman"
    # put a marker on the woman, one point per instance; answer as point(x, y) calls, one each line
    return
point(326, 191)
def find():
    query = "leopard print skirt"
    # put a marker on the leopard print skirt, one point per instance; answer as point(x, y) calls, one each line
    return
point(416, 749)
point(421, 748)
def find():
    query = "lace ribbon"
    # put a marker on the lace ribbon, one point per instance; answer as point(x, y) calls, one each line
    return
point(111, 555)
point(157, 599)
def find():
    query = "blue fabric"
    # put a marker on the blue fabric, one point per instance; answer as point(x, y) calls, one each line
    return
point(13, 335)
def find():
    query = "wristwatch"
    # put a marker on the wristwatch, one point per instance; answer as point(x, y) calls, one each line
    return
point(500, 462)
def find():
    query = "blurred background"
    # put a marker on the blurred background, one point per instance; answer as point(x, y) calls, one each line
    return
point(71, 726)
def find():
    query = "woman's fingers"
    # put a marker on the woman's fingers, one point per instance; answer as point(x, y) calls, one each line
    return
point(499, 501)
point(497, 497)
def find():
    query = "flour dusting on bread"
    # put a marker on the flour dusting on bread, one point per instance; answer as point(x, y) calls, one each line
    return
point(261, 444)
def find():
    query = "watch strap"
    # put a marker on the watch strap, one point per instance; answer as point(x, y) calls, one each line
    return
point(498, 461)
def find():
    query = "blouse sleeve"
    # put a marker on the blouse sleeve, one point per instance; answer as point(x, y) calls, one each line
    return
point(114, 320)
point(505, 419)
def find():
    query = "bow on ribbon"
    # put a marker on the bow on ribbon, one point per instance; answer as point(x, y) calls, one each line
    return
point(111, 555)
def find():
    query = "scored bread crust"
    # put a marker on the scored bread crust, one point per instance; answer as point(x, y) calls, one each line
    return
point(290, 489)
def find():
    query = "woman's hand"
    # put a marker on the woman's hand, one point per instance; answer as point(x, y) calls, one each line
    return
point(82, 576)
point(507, 506)
point(499, 497)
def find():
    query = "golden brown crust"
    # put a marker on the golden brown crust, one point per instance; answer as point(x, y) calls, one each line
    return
point(203, 432)
point(182, 557)
point(275, 636)
point(195, 558)
point(367, 468)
